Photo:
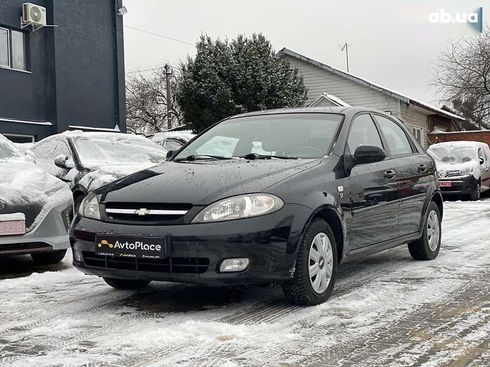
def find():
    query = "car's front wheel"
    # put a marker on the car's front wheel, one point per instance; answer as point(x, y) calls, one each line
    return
point(46, 258)
point(427, 247)
point(316, 266)
point(475, 194)
point(126, 283)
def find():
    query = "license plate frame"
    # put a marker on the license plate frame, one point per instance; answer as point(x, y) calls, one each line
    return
point(445, 184)
point(136, 246)
point(12, 224)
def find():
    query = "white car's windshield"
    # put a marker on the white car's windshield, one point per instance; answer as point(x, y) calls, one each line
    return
point(301, 135)
point(117, 149)
point(7, 149)
point(453, 153)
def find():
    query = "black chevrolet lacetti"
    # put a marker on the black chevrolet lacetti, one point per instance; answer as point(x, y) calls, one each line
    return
point(279, 196)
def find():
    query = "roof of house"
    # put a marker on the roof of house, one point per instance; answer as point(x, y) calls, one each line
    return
point(367, 83)
point(336, 101)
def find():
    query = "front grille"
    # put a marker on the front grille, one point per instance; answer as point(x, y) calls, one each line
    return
point(145, 212)
point(192, 265)
point(453, 173)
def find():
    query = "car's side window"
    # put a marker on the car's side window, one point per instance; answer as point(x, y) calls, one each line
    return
point(396, 139)
point(481, 157)
point(363, 131)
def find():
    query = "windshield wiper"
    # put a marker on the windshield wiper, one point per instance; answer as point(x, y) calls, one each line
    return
point(253, 156)
point(195, 157)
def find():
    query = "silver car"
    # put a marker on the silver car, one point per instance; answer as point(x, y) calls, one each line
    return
point(35, 208)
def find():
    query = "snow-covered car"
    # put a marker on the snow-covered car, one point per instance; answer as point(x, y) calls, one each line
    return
point(35, 209)
point(88, 160)
point(173, 140)
point(463, 167)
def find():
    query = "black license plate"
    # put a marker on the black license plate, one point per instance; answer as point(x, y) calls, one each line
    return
point(131, 246)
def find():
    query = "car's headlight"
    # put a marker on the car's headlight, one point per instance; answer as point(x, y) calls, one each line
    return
point(237, 207)
point(90, 207)
point(466, 171)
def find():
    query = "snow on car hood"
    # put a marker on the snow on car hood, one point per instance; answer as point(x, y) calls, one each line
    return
point(100, 175)
point(27, 189)
point(444, 167)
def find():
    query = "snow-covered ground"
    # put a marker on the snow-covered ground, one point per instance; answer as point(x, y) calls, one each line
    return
point(386, 310)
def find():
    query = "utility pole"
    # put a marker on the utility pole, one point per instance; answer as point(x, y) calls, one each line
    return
point(345, 47)
point(168, 73)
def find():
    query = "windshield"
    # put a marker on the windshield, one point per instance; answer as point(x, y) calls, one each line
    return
point(305, 135)
point(7, 150)
point(117, 149)
point(453, 153)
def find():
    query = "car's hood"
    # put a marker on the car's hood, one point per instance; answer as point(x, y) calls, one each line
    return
point(99, 175)
point(452, 166)
point(24, 188)
point(201, 183)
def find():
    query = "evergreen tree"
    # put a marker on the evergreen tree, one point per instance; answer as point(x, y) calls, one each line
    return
point(226, 78)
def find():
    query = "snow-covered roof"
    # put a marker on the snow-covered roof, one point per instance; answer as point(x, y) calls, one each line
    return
point(367, 83)
point(182, 134)
point(336, 101)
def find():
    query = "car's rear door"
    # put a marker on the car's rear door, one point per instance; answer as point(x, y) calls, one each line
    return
point(483, 157)
point(373, 189)
point(411, 169)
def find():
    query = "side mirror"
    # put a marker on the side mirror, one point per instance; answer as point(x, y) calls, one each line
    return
point(170, 153)
point(482, 160)
point(62, 161)
point(368, 154)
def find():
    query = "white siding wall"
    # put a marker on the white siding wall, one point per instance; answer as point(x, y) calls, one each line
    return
point(414, 118)
point(319, 80)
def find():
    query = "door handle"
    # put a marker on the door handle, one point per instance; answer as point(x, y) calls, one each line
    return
point(390, 174)
point(422, 168)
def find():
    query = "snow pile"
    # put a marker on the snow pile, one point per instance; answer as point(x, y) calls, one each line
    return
point(23, 184)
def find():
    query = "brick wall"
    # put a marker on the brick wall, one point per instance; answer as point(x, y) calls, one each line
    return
point(474, 135)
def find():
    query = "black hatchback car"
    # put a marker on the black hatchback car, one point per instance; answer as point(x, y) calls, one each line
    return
point(278, 196)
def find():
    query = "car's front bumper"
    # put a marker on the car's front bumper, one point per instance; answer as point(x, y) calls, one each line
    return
point(195, 251)
point(458, 185)
point(50, 234)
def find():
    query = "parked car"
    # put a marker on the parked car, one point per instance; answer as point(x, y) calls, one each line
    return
point(463, 167)
point(35, 209)
point(88, 160)
point(334, 183)
point(173, 140)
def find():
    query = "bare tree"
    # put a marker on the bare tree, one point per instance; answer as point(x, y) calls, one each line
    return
point(463, 77)
point(146, 103)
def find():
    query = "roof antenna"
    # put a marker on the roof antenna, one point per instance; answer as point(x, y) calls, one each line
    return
point(345, 47)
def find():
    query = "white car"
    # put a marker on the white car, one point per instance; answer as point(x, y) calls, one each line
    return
point(36, 208)
point(463, 167)
point(173, 140)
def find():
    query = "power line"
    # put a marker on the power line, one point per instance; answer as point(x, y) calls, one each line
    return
point(159, 35)
point(142, 71)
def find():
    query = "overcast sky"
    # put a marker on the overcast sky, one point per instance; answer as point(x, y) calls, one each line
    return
point(392, 42)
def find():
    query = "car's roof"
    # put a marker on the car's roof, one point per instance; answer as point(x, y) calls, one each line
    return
point(461, 143)
point(293, 110)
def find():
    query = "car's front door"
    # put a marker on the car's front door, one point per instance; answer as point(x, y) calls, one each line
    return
point(412, 170)
point(373, 190)
point(484, 168)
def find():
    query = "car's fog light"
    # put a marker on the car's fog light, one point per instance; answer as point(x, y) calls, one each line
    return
point(232, 265)
point(77, 255)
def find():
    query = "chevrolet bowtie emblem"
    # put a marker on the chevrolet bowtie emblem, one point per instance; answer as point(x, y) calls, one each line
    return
point(142, 212)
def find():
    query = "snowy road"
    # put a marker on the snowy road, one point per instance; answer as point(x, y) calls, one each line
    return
point(386, 310)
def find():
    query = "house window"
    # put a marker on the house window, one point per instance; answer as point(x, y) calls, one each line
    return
point(18, 138)
point(13, 49)
point(418, 133)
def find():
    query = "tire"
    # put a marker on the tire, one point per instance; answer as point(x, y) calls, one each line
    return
point(427, 247)
point(305, 288)
point(126, 283)
point(46, 258)
point(475, 195)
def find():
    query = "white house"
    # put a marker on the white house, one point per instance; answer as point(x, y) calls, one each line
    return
point(329, 86)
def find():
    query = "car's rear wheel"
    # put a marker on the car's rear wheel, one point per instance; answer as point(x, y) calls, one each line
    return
point(316, 266)
point(46, 258)
point(427, 247)
point(126, 283)
point(475, 195)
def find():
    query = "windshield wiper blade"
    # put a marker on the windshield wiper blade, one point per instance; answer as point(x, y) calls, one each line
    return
point(195, 157)
point(253, 156)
